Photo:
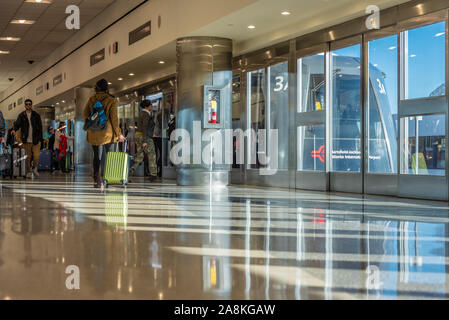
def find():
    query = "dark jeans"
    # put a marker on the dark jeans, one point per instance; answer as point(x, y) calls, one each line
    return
point(158, 145)
point(100, 157)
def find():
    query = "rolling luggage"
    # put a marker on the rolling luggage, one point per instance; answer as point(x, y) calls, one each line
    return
point(45, 160)
point(117, 167)
point(19, 163)
point(5, 159)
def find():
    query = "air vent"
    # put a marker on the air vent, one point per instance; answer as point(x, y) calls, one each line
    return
point(97, 57)
point(10, 106)
point(39, 90)
point(20, 101)
point(140, 33)
point(57, 80)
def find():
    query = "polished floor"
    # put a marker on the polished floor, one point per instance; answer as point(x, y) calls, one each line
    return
point(161, 241)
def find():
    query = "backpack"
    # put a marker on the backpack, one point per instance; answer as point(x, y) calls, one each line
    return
point(97, 120)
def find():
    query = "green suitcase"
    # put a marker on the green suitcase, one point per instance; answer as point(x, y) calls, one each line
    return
point(117, 168)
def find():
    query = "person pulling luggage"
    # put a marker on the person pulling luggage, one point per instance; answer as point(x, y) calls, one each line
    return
point(144, 140)
point(29, 124)
point(102, 126)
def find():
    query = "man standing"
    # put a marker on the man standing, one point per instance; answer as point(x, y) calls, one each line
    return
point(30, 125)
point(144, 140)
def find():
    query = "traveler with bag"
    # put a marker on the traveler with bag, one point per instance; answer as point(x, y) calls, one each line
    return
point(102, 126)
point(29, 124)
point(144, 140)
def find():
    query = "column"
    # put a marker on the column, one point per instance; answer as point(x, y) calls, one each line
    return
point(204, 61)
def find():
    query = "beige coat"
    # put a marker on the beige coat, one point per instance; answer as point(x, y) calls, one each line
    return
point(112, 132)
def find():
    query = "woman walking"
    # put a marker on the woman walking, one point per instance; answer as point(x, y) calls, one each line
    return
point(102, 140)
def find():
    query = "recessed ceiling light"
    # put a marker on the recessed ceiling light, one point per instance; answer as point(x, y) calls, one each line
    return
point(109, 83)
point(22, 21)
point(161, 62)
point(120, 79)
point(39, 1)
point(131, 74)
point(4, 52)
point(9, 39)
point(251, 27)
point(63, 101)
point(285, 13)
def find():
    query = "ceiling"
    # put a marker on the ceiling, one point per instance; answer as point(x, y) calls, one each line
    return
point(41, 38)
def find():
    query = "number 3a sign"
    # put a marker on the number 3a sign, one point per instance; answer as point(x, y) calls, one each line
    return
point(280, 86)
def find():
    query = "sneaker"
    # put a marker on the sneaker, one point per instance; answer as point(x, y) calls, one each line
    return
point(36, 172)
point(29, 175)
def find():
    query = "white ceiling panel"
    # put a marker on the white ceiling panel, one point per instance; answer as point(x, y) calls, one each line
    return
point(41, 38)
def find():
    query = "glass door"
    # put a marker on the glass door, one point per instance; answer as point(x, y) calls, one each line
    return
point(311, 172)
point(345, 117)
point(423, 111)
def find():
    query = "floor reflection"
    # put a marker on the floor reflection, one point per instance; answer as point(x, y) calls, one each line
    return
point(161, 241)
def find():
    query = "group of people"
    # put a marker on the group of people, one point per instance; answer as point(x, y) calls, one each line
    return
point(29, 135)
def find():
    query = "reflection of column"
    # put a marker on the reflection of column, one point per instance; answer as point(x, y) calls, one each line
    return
point(82, 151)
point(267, 253)
point(328, 263)
point(202, 61)
point(248, 250)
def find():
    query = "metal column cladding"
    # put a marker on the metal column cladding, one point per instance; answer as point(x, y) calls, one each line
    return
point(203, 61)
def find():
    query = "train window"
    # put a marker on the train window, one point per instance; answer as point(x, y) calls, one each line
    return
point(382, 95)
point(423, 145)
point(423, 61)
point(312, 83)
point(346, 111)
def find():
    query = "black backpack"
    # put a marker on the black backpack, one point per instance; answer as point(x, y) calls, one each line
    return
point(97, 120)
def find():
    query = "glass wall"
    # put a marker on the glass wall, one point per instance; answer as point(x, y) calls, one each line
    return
point(279, 113)
point(423, 61)
point(256, 116)
point(423, 145)
point(311, 146)
point(382, 104)
point(346, 110)
point(236, 117)
point(311, 80)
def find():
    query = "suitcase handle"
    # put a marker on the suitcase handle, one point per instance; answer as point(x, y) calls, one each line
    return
point(117, 146)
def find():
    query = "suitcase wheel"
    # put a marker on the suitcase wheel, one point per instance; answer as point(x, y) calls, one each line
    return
point(124, 183)
point(105, 182)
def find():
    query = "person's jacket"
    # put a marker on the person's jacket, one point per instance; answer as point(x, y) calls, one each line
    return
point(112, 131)
point(24, 126)
point(2, 126)
point(62, 147)
point(145, 125)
